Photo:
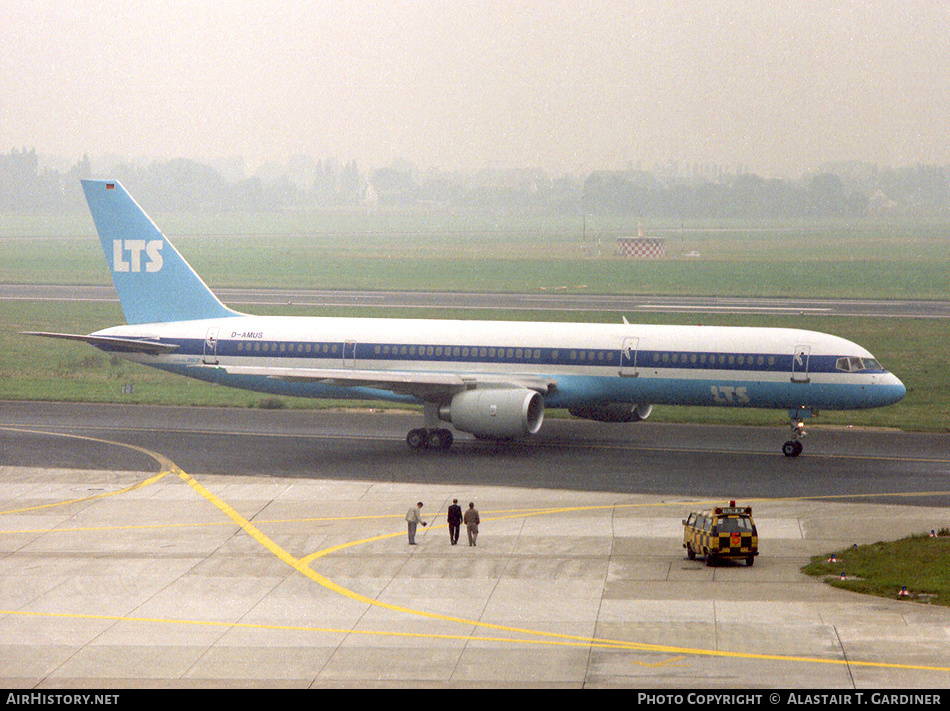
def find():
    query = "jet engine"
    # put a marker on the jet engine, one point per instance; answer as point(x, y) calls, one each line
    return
point(495, 412)
point(613, 412)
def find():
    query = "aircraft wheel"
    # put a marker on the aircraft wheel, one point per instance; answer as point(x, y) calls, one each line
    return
point(792, 448)
point(417, 438)
point(439, 439)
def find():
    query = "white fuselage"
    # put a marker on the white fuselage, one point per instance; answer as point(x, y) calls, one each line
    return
point(588, 363)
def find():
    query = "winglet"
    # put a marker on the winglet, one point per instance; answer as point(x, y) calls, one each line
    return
point(154, 282)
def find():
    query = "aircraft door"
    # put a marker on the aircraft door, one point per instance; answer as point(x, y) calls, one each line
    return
point(628, 358)
point(800, 364)
point(349, 354)
point(210, 356)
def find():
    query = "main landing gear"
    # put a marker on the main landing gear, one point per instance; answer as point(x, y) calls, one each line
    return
point(431, 436)
point(423, 438)
point(794, 447)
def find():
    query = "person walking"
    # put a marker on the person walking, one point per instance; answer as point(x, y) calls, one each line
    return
point(471, 521)
point(455, 521)
point(413, 519)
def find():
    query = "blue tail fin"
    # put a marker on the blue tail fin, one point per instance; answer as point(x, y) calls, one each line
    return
point(154, 282)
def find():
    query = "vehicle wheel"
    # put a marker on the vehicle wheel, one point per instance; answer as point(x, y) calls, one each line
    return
point(792, 448)
point(416, 439)
point(447, 439)
point(439, 439)
point(708, 559)
point(750, 561)
point(690, 553)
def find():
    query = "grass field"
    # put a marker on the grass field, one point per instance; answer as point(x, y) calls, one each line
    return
point(412, 252)
point(920, 563)
point(893, 262)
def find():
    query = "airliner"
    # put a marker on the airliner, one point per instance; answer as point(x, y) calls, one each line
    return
point(490, 379)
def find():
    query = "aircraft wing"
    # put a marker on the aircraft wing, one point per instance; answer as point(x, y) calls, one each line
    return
point(408, 382)
point(112, 343)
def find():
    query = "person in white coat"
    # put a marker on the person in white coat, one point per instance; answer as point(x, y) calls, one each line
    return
point(413, 519)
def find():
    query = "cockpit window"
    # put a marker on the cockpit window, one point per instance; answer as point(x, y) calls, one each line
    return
point(854, 365)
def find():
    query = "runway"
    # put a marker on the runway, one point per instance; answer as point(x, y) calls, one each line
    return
point(541, 301)
point(195, 547)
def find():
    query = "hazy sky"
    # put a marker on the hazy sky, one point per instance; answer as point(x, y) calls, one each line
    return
point(779, 87)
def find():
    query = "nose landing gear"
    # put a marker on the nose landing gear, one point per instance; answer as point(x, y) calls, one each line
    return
point(793, 447)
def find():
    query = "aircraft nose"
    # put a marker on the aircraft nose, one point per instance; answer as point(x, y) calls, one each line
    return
point(891, 389)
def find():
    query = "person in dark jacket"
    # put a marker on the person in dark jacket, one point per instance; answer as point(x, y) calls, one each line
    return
point(455, 521)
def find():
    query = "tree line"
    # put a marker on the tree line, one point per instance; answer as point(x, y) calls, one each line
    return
point(844, 190)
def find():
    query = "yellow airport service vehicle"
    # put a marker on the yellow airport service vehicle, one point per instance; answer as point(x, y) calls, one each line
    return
point(722, 532)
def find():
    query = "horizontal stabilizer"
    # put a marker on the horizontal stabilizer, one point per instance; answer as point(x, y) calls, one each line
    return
point(112, 343)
